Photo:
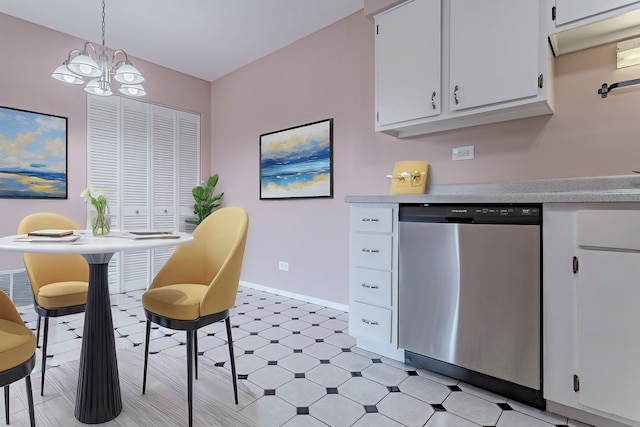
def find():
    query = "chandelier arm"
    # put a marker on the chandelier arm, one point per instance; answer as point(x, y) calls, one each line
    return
point(113, 59)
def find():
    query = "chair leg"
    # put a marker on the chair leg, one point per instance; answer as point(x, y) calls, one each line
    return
point(32, 416)
point(195, 352)
point(6, 402)
point(146, 356)
point(44, 353)
point(38, 332)
point(227, 321)
point(190, 345)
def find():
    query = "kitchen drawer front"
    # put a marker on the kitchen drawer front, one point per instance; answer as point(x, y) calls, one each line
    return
point(374, 220)
point(616, 229)
point(371, 251)
point(371, 286)
point(370, 323)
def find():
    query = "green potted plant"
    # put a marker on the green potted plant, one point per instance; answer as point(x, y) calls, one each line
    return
point(206, 202)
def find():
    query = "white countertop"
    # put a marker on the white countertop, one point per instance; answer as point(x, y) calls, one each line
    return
point(621, 188)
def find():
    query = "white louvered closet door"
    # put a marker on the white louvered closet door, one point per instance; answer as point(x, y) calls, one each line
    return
point(135, 189)
point(103, 152)
point(163, 178)
point(188, 165)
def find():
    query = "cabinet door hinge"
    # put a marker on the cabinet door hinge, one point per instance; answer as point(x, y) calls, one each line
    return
point(553, 13)
point(576, 383)
point(575, 264)
point(540, 81)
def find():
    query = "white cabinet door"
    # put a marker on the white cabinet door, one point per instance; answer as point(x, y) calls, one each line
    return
point(573, 10)
point(608, 338)
point(135, 191)
point(188, 164)
point(408, 62)
point(493, 51)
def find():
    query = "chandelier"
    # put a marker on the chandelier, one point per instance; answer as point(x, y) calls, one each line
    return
point(100, 70)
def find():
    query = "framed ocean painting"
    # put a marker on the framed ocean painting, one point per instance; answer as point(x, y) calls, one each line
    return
point(33, 155)
point(297, 162)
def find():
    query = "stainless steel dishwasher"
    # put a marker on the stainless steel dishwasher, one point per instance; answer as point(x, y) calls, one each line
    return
point(470, 292)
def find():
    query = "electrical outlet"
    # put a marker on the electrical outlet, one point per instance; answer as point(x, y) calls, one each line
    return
point(283, 266)
point(463, 153)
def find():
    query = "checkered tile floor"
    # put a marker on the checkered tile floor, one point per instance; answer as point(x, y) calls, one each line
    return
point(303, 368)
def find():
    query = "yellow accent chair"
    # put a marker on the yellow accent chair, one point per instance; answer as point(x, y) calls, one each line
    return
point(17, 353)
point(59, 281)
point(198, 285)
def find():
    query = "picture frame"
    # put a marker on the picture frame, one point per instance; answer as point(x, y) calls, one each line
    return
point(33, 155)
point(297, 162)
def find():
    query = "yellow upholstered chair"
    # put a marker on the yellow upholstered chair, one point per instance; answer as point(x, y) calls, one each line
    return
point(17, 352)
point(198, 285)
point(59, 282)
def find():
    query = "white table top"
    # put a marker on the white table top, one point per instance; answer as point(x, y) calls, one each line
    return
point(88, 244)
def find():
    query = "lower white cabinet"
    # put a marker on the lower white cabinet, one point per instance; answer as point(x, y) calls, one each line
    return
point(373, 278)
point(592, 308)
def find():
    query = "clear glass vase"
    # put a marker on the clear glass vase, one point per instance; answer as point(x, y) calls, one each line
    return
point(100, 223)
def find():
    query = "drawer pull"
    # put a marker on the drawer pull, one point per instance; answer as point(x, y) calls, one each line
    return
point(370, 220)
point(365, 285)
point(370, 251)
point(369, 322)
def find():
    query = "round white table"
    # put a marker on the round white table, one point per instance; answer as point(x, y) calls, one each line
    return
point(98, 397)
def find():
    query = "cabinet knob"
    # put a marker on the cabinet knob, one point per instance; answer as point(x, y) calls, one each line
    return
point(370, 251)
point(365, 285)
point(165, 211)
point(455, 94)
point(137, 211)
point(369, 322)
point(433, 100)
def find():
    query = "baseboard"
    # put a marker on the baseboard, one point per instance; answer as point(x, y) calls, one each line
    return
point(324, 303)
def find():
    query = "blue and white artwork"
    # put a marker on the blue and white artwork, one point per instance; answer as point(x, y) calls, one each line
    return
point(296, 162)
point(33, 155)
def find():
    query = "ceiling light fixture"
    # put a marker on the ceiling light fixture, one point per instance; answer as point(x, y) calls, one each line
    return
point(100, 70)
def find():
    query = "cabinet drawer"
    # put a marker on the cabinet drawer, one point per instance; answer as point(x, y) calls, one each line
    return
point(372, 251)
point(370, 323)
point(378, 220)
point(618, 229)
point(371, 286)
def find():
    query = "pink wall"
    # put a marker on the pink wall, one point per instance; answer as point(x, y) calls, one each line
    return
point(331, 74)
point(30, 53)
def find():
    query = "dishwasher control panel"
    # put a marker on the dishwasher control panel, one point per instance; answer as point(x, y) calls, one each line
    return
point(468, 213)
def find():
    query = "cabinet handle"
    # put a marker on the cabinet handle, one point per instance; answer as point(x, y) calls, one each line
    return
point(365, 285)
point(372, 251)
point(369, 322)
point(433, 100)
point(370, 220)
point(455, 94)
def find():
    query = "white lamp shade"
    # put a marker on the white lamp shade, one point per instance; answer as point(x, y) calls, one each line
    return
point(63, 74)
point(93, 87)
point(128, 74)
point(132, 90)
point(84, 65)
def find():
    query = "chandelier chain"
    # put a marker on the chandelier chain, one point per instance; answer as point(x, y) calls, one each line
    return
point(103, 26)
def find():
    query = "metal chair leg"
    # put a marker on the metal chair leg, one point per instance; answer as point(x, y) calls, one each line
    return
point(6, 402)
point(195, 352)
point(38, 332)
point(146, 356)
point(227, 321)
point(32, 415)
point(190, 345)
point(44, 353)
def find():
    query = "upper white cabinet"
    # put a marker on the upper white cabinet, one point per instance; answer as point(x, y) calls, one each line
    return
point(496, 62)
point(581, 24)
point(408, 51)
point(446, 64)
